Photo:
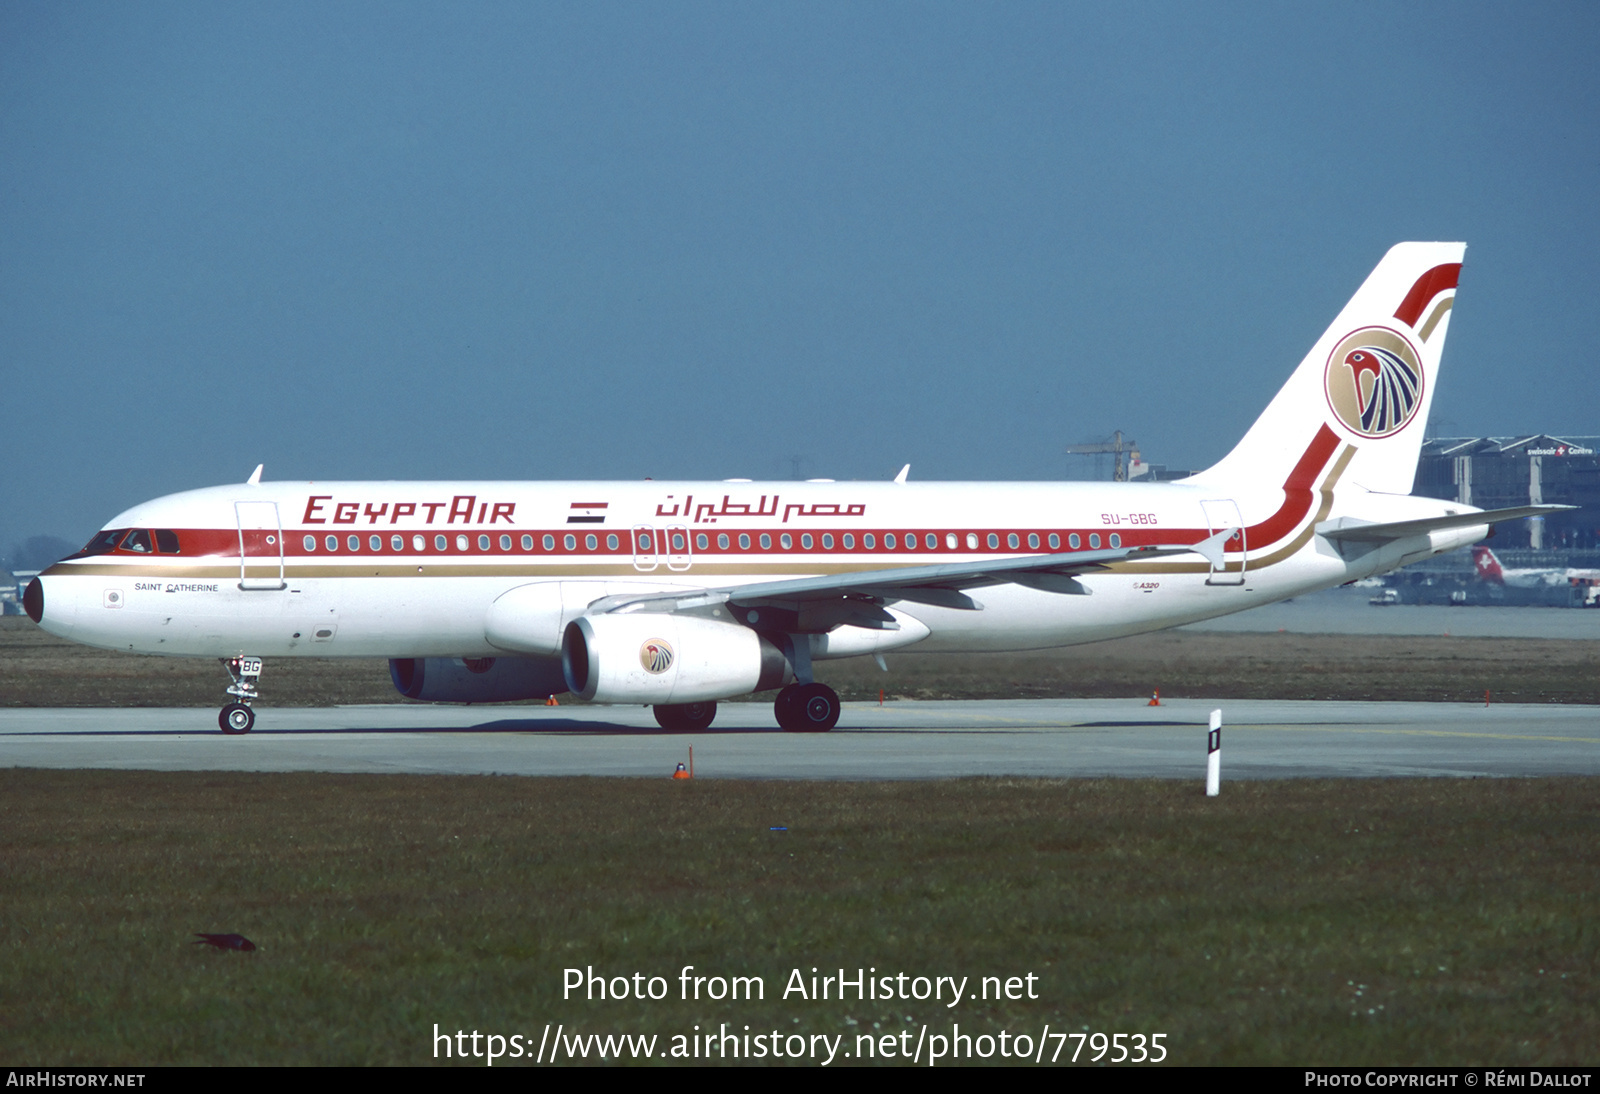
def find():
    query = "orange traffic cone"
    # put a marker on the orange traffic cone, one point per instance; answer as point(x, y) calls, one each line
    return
point(551, 702)
point(681, 773)
point(1155, 699)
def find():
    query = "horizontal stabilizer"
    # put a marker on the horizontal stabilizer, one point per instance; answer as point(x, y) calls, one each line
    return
point(1347, 529)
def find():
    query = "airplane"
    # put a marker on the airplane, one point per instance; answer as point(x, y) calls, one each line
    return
point(678, 595)
point(1488, 569)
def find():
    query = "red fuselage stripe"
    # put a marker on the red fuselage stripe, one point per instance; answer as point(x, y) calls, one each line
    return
point(1297, 495)
point(224, 542)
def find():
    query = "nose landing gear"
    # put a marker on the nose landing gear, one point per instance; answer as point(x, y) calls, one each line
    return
point(237, 717)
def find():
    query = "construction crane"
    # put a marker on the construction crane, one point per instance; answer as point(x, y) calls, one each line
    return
point(1116, 446)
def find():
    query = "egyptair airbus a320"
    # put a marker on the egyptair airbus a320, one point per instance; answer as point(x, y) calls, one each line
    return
point(678, 594)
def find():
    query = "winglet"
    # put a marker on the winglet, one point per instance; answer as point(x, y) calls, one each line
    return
point(255, 476)
point(904, 471)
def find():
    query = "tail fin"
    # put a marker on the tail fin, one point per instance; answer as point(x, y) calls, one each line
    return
point(1487, 566)
point(1368, 382)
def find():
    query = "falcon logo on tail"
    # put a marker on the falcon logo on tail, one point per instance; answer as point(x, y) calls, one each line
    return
point(1374, 382)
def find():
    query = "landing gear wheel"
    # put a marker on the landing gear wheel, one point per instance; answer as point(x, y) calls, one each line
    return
point(236, 718)
point(807, 708)
point(685, 717)
point(783, 706)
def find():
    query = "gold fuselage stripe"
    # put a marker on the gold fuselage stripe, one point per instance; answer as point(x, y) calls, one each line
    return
point(1282, 553)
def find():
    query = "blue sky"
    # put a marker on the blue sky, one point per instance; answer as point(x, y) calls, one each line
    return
point(704, 240)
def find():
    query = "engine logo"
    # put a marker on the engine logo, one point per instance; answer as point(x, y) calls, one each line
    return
point(1374, 382)
point(656, 656)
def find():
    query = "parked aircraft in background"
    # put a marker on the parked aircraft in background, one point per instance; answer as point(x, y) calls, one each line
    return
point(1488, 568)
point(678, 594)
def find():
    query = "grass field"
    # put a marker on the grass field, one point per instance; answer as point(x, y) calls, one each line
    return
point(1300, 922)
point(37, 669)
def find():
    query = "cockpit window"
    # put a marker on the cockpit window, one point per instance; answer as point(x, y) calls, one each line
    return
point(104, 542)
point(166, 541)
point(138, 540)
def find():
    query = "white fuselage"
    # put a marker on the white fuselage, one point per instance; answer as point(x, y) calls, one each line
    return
point(411, 569)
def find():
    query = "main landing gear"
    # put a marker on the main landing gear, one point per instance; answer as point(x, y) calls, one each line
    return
point(685, 717)
point(807, 708)
point(237, 717)
point(801, 708)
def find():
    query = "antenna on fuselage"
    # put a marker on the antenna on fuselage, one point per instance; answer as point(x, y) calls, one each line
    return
point(255, 476)
point(904, 471)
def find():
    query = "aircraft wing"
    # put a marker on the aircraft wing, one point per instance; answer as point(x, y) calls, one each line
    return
point(1347, 529)
point(941, 585)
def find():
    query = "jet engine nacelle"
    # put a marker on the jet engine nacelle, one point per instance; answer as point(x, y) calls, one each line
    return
point(479, 680)
point(653, 657)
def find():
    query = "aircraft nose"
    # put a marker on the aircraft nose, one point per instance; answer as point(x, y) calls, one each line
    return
point(33, 601)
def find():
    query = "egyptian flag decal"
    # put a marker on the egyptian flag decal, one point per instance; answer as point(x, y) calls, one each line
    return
point(587, 512)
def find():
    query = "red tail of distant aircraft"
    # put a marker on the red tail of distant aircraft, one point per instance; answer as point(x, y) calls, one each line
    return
point(1488, 569)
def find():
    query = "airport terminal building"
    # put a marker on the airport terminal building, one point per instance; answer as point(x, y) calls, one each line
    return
point(1501, 472)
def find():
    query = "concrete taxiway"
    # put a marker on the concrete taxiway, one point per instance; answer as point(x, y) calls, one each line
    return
point(900, 740)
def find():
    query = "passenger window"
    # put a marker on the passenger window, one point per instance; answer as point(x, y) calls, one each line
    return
point(1013, 542)
point(785, 540)
point(994, 541)
point(397, 543)
point(805, 540)
point(569, 541)
point(1116, 540)
point(310, 543)
point(972, 541)
point(353, 542)
point(375, 542)
point(642, 543)
point(166, 541)
point(331, 543)
point(827, 541)
point(930, 541)
point(722, 541)
point(1033, 541)
point(611, 542)
point(419, 544)
point(505, 543)
point(461, 543)
point(591, 541)
point(550, 543)
point(701, 542)
point(483, 543)
point(1074, 542)
point(950, 540)
point(1055, 542)
point(527, 543)
point(766, 541)
point(744, 542)
point(1094, 539)
point(849, 541)
point(440, 543)
point(869, 542)
point(888, 540)
point(138, 540)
